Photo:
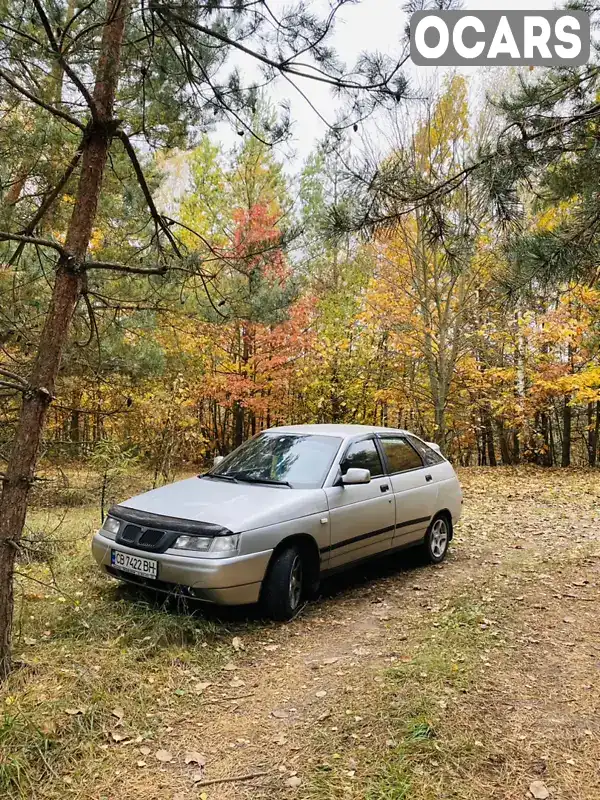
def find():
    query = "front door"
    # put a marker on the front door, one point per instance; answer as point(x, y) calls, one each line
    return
point(415, 491)
point(362, 517)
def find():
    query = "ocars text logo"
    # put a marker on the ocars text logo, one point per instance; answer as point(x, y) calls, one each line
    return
point(502, 39)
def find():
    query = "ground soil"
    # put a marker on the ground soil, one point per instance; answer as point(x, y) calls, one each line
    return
point(477, 678)
point(321, 705)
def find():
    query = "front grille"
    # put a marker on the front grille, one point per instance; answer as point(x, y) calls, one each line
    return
point(130, 534)
point(149, 539)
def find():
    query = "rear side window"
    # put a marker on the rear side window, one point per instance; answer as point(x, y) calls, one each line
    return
point(363, 455)
point(400, 455)
point(429, 456)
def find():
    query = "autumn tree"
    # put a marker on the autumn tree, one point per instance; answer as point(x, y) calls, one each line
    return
point(103, 75)
point(541, 177)
point(336, 270)
point(431, 253)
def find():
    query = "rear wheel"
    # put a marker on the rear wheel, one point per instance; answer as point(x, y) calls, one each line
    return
point(437, 539)
point(283, 589)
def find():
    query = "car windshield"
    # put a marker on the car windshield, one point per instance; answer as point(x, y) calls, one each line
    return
point(300, 461)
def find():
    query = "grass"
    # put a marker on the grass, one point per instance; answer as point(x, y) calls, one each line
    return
point(446, 664)
point(493, 690)
point(460, 682)
point(97, 665)
point(404, 746)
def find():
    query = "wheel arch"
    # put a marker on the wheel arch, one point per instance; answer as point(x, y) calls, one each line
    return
point(310, 550)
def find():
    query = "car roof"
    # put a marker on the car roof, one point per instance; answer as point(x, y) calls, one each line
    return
point(341, 431)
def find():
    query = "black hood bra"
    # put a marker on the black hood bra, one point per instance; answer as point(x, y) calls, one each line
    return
point(147, 519)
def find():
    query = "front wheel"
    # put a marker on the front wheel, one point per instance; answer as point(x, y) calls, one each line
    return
point(283, 589)
point(437, 539)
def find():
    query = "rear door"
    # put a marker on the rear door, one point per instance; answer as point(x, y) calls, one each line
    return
point(415, 491)
point(449, 494)
point(362, 517)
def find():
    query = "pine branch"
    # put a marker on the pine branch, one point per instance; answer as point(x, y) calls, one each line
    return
point(47, 204)
point(53, 194)
point(285, 66)
point(159, 220)
point(5, 236)
point(81, 10)
point(15, 387)
point(63, 62)
point(14, 377)
point(57, 112)
point(109, 265)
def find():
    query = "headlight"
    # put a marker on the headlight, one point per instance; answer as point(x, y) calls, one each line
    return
point(224, 545)
point(111, 525)
point(198, 543)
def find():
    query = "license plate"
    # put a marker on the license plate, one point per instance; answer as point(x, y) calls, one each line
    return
point(136, 565)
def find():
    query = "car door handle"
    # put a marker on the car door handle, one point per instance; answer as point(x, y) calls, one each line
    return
point(385, 487)
point(428, 478)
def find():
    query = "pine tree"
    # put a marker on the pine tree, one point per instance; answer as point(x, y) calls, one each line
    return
point(100, 77)
point(547, 159)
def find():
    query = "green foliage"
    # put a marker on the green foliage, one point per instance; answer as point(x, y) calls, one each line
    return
point(547, 158)
point(112, 462)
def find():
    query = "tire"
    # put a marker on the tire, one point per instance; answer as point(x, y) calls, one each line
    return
point(437, 539)
point(284, 587)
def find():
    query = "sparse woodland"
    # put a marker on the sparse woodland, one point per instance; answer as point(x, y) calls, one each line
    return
point(163, 297)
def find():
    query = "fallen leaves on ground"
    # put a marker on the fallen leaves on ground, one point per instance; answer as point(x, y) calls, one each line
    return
point(539, 790)
point(192, 757)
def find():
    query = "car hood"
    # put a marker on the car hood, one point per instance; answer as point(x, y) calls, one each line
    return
point(237, 506)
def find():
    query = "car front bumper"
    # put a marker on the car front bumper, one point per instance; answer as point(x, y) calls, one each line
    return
point(226, 581)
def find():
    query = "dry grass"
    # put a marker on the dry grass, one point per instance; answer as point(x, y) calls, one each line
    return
point(99, 666)
point(464, 681)
point(498, 686)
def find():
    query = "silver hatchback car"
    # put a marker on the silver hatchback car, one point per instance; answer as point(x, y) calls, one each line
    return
point(286, 508)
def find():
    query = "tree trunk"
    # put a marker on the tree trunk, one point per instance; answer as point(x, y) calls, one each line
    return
point(74, 432)
point(489, 429)
point(440, 422)
point(548, 454)
point(593, 431)
point(516, 448)
point(65, 295)
point(504, 448)
point(238, 424)
point(596, 434)
point(567, 424)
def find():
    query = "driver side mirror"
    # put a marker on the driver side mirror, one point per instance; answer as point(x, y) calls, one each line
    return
point(355, 477)
point(218, 460)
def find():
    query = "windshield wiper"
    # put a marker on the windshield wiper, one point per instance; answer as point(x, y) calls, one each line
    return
point(229, 478)
point(240, 476)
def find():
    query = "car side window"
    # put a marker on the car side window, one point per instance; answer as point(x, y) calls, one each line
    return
point(363, 455)
point(429, 456)
point(401, 457)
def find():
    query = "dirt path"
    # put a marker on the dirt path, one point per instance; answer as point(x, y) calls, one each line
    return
point(477, 678)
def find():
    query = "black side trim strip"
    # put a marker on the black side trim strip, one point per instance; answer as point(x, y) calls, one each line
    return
point(148, 520)
point(354, 539)
point(412, 522)
point(372, 534)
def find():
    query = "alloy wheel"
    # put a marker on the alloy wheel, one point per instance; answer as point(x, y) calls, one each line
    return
point(295, 587)
point(439, 538)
